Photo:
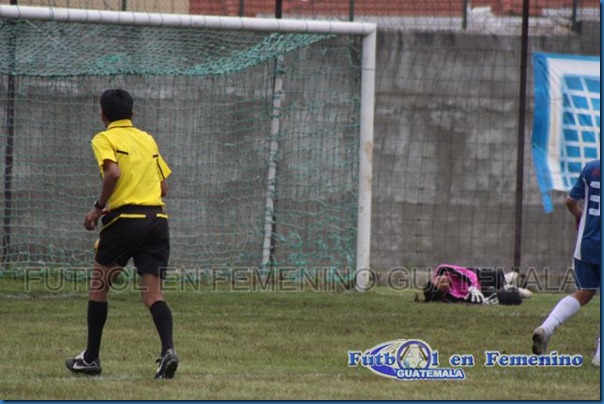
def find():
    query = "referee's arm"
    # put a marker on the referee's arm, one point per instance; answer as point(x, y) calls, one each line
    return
point(111, 174)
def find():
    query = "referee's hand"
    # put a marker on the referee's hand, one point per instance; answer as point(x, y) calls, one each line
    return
point(92, 218)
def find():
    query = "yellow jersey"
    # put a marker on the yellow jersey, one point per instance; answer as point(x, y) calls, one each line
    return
point(137, 155)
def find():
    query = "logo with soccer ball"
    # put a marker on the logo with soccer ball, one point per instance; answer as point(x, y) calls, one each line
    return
point(404, 359)
point(409, 353)
point(414, 354)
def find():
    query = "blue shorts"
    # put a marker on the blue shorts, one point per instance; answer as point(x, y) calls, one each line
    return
point(587, 276)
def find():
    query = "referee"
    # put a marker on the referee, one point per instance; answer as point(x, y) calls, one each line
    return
point(133, 226)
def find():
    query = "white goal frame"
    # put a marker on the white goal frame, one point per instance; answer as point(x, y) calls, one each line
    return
point(367, 31)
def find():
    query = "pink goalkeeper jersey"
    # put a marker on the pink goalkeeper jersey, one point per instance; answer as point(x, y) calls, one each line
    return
point(461, 279)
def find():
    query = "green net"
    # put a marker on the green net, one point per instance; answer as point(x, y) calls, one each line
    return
point(208, 97)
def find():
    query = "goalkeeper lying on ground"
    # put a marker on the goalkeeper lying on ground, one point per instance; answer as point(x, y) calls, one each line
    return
point(455, 284)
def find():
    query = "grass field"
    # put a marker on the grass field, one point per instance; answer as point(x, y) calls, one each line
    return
point(281, 345)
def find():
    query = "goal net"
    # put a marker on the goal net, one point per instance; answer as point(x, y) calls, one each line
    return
point(261, 122)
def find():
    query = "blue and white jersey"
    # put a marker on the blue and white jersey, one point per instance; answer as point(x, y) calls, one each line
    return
point(587, 188)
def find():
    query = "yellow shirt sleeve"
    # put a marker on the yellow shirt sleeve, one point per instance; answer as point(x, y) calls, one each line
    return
point(103, 150)
point(164, 170)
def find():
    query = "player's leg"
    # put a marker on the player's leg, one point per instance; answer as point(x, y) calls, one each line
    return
point(596, 359)
point(162, 318)
point(100, 283)
point(588, 281)
point(151, 262)
point(88, 361)
point(160, 311)
point(113, 250)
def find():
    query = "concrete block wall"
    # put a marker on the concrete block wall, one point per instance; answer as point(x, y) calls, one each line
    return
point(446, 130)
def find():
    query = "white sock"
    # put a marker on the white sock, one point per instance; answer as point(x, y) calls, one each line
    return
point(564, 310)
point(597, 354)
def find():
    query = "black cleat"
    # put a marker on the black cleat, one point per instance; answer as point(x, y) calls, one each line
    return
point(167, 365)
point(79, 365)
point(540, 340)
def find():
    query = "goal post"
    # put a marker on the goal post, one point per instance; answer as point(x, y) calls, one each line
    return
point(205, 87)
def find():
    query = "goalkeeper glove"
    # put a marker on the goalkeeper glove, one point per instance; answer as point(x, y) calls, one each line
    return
point(474, 295)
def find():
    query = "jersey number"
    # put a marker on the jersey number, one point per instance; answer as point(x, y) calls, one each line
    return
point(594, 210)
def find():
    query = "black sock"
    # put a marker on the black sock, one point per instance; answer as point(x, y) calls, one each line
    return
point(97, 315)
point(162, 317)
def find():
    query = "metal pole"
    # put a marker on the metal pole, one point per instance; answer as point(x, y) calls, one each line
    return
point(520, 140)
point(351, 10)
point(184, 20)
point(363, 254)
point(573, 17)
point(124, 5)
point(241, 8)
point(270, 218)
point(278, 8)
point(8, 148)
point(270, 221)
point(464, 20)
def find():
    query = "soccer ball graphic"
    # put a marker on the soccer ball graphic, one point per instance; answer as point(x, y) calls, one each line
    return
point(414, 355)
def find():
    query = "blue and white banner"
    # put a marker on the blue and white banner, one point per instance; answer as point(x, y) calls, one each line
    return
point(566, 125)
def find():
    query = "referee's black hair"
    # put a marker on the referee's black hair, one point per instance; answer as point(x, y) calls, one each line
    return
point(116, 104)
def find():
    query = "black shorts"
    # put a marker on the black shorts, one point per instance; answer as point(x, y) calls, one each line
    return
point(137, 232)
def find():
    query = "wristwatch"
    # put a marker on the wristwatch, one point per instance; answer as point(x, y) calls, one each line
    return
point(98, 205)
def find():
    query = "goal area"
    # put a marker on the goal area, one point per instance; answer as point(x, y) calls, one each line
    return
point(267, 125)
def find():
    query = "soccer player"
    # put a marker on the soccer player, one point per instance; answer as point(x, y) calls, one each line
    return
point(455, 284)
point(133, 226)
point(587, 256)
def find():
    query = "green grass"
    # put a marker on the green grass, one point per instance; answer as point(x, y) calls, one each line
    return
point(281, 345)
